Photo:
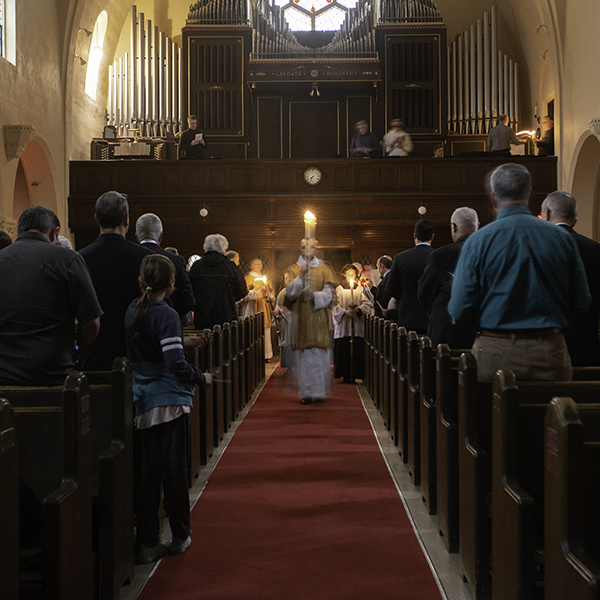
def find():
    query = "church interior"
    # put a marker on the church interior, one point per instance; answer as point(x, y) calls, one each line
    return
point(96, 93)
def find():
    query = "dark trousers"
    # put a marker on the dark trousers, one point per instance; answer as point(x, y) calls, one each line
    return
point(347, 353)
point(164, 462)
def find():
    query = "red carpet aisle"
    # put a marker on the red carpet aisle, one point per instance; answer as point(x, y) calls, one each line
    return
point(301, 506)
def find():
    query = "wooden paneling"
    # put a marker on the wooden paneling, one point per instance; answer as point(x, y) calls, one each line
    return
point(362, 206)
point(270, 127)
point(314, 129)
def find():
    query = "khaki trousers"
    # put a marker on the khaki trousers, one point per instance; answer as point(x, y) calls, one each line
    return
point(543, 358)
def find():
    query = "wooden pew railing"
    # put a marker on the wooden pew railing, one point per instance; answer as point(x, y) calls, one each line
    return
point(518, 482)
point(477, 452)
point(111, 409)
point(54, 448)
point(572, 497)
point(9, 504)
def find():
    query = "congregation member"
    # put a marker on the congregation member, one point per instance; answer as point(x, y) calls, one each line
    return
point(581, 335)
point(283, 318)
point(403, 280)
point(5, 239)
point(149, 233)
point(349, 327)
point(521, 280)
point(45, 289)
point(114, 264)
point(435, 285)
point(192, 140)
point(396, 141)
point(501, 137)
point(545, 145)
point(311, 294)
point(163, 391)
point(381, 297)
point(217, 283)
point(438, 151)
point(259, 300)
point(233, 256)
point(364, 143)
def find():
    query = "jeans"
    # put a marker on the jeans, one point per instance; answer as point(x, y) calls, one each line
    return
point(164, 462)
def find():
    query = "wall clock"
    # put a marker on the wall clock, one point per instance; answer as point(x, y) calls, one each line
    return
point(313, 176)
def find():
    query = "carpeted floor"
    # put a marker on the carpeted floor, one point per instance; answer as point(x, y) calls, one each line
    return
point(301, 506)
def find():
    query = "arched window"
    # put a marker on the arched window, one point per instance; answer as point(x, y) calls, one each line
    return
point(315, 15)
point(8, 31)
point(95, 55)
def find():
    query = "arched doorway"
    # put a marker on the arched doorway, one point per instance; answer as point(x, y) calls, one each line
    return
point(586, 187)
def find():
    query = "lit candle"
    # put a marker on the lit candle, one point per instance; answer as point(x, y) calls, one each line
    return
point(310, 222)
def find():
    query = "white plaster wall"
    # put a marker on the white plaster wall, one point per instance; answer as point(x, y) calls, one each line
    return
point(31, 94)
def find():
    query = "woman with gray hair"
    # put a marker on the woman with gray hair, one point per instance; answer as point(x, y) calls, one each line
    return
point(218, 284)
point(215, 242)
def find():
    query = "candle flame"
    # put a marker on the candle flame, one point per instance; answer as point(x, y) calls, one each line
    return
point(263, 279)
point(352, 283)
point(526, 133)
point(310, 218)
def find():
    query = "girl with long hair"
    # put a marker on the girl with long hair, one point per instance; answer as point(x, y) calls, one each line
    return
point(163, 387)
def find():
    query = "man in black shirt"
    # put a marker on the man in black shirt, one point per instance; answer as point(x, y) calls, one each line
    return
point(192, 140)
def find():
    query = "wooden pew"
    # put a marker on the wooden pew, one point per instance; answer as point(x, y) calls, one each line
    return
point(413, 410)
point(53, 425)
point(401, 423)
point(217, 387)
point(393, 376)
point(447, 445)
point(250, 349)
point(111, 410)
point(206, 405)
point(369, 353)
point(474, 468)
point(428, 416)
point(380, 366)
point(9, 504)
point(572, 497)
point(230, 364)
point(377, 350)
point(241, 359)
point(385, 374)
point(518, 482)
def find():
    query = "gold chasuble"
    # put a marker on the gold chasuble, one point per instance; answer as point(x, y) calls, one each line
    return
point(310, 328)
point(260, 304)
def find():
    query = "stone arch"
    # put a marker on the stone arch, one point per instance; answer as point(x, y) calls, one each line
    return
point(585, 185)
point(34, 180)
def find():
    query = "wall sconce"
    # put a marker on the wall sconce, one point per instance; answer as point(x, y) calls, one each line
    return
point(594, 126)
point(422, 210)
point(545, 53)
point(203, 212)
point(82, 60)
point(315, 90)
point(539, 28)
point(87, 31)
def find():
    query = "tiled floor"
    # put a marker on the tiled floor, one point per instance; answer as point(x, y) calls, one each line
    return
point(445, 565)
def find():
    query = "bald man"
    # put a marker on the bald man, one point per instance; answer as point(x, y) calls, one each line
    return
point(581, 335)
point(435, 285)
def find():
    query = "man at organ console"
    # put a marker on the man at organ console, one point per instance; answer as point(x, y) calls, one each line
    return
point(192, 140)
point(364, 143)
point(502, 136)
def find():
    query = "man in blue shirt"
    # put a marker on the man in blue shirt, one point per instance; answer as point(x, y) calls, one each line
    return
point(364, 143)
point(522, 280)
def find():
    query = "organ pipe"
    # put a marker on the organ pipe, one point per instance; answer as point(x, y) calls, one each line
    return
point(482, 80)
point(145, 84)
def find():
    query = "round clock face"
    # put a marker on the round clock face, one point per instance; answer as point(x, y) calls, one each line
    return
point(312, 175)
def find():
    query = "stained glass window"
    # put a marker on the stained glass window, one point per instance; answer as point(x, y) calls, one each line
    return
point(315, 15)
